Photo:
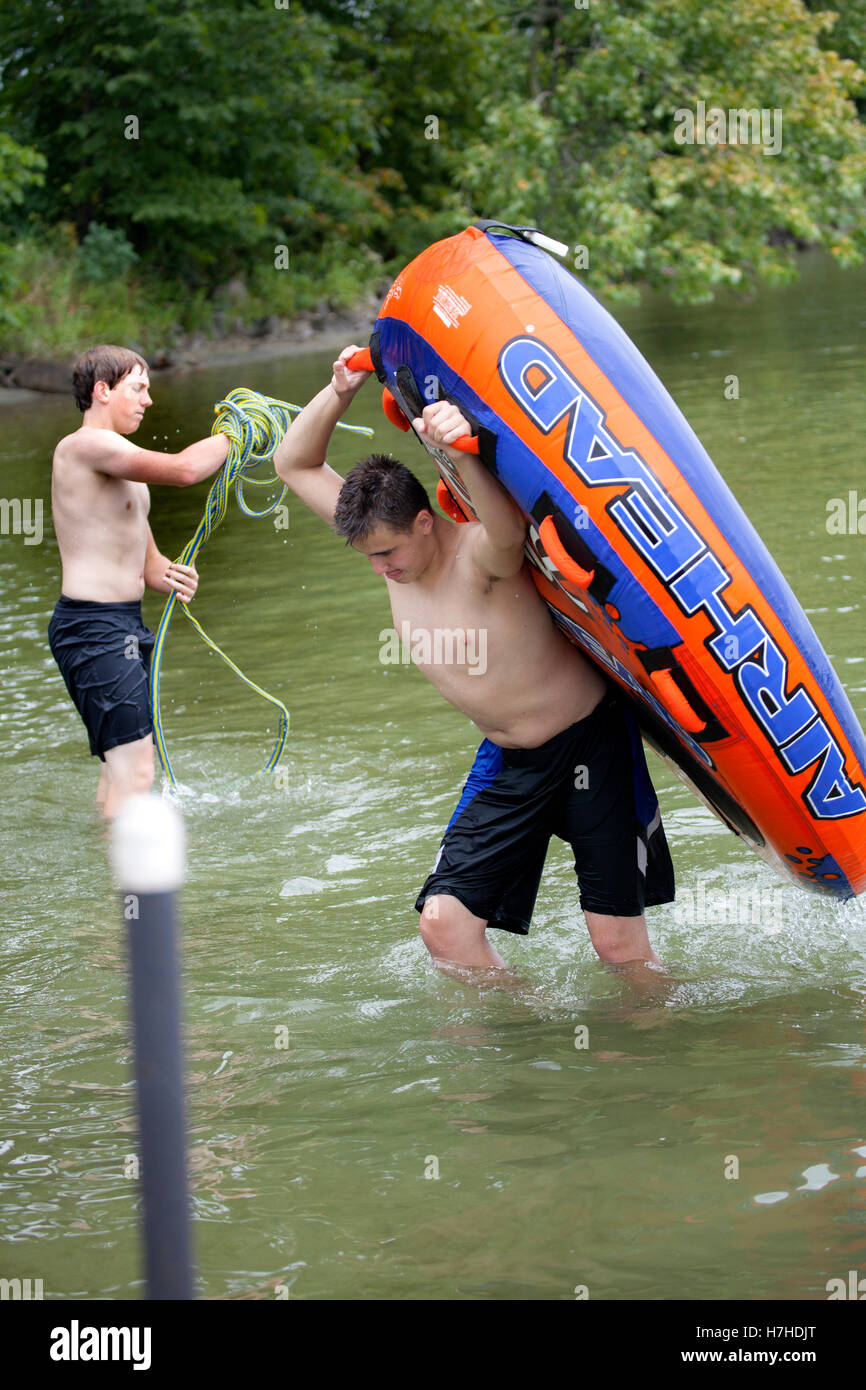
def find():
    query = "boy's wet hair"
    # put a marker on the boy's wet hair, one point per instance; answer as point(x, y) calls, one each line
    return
point(378, 489)
point(105, 363)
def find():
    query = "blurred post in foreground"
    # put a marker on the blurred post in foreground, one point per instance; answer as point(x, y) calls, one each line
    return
point(148, 855)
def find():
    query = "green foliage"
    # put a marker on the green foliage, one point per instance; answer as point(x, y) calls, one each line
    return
point(105, 254)
point(20, 169)
point(845, 33)
point(198, 135)
point(584, 145)
point(203, 128)
point(53, 311)
point(51, 308)
point(418, 70)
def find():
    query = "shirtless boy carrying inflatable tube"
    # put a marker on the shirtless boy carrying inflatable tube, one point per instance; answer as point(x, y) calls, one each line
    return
point(99, 503)
point(561, 755)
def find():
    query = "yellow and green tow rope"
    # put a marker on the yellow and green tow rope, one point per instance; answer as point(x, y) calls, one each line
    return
point(255, 424)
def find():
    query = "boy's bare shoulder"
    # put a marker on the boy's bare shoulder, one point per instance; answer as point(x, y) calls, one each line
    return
point(89, 446)
point(470, 555)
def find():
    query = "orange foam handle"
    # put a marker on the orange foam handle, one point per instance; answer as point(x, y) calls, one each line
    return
point(393, 411)
point(361, 361)
point(677, 702)
point(468, 444)
point(448, 502)
point(568, 568)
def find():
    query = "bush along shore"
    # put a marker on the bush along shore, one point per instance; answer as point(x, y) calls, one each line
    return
point(55, 302)
point(154, 193)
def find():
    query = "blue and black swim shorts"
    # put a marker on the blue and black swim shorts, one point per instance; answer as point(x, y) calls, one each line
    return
point(590, 786)
point(103, 651)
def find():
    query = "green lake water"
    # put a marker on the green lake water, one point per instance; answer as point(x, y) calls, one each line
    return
point(312, 1163)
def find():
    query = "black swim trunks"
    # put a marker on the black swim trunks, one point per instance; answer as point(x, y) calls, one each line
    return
point(590, 786)
point(103, 651)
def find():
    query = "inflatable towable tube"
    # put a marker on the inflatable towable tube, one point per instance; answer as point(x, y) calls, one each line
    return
point(643, 555)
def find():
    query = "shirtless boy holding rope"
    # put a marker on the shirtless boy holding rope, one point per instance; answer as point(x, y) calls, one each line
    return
point(100, 503)
point(546, 713)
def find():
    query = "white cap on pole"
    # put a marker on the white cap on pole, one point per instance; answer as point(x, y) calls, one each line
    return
point(148, 845)
point(547, 243)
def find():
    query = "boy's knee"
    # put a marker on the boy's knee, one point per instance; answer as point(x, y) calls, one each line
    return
point(444, 920)
point(132, 771)
point(618, 939)
point(455, 937)
point(430, 922)
point(142, 777)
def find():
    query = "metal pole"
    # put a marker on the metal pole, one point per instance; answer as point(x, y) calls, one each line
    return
point(148, 855)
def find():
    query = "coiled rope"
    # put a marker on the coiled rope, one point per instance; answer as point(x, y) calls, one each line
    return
point(255, 424)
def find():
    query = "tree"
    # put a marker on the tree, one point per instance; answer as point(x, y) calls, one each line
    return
point(207, 131)
point(586, 143)
point(201, 128)
point(20, 169)
point(423, 70)
point(846, 35)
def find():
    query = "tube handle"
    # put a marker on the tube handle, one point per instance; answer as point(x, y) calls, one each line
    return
point(677, 702)
point(361, 361)
point(568, 568)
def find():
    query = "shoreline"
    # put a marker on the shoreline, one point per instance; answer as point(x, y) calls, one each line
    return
point(203, 353)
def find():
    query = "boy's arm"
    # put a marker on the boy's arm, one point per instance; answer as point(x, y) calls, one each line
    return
point(300, 456)
point(167, 576)
point(502, 534)
point(107, 452)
